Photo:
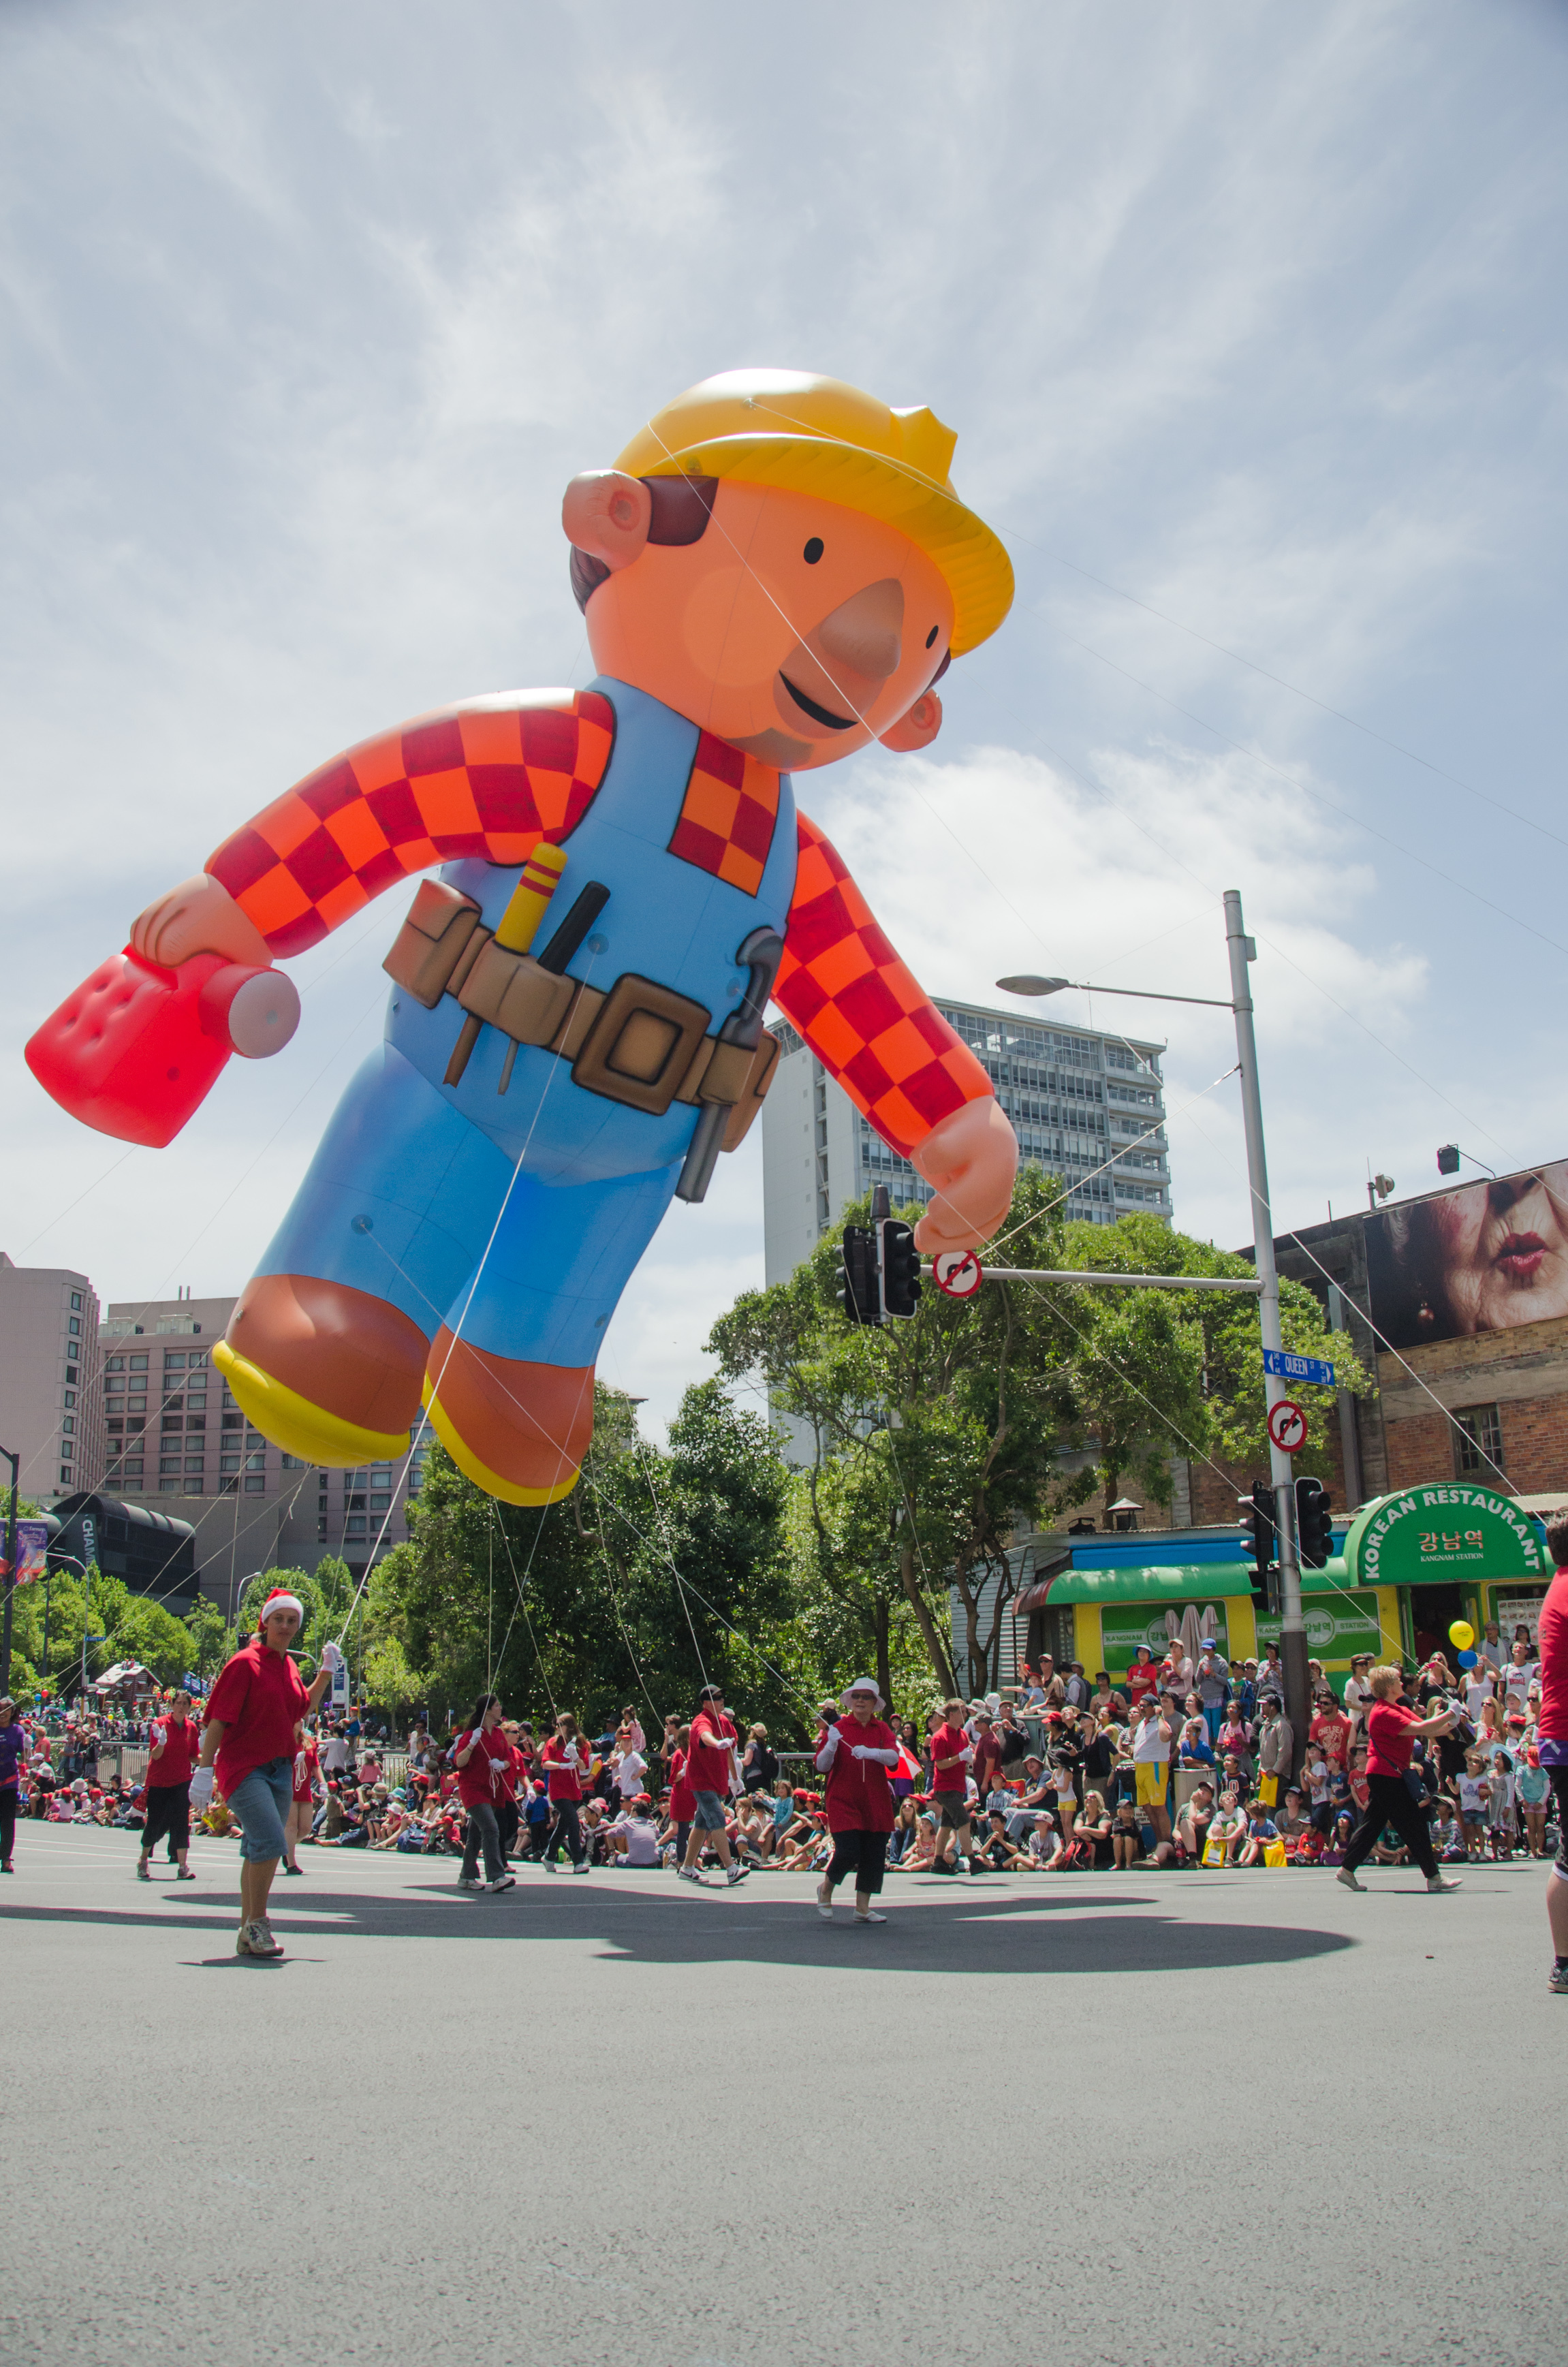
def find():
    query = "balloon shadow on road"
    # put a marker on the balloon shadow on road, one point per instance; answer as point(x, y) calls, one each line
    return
point(1030, 1933)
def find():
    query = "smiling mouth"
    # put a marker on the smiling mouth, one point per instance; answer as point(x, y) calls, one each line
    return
point(822, 715)
point(1522, 1256)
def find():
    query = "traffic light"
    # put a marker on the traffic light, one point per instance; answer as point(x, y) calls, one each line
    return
point(1259, 1520)
point(898, 1266)
point(857, 1292)
point(1314, 1524)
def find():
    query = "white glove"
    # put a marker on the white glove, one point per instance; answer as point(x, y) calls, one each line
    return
point(864, 1750)
point(967, 1755)
point(331, 1657)
point(201, 1787)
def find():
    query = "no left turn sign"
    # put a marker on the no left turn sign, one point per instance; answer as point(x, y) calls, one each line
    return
point(1286, 1426)
point(957, 1272)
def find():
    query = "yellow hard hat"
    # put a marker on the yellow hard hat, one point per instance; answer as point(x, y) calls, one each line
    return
point(820, 435)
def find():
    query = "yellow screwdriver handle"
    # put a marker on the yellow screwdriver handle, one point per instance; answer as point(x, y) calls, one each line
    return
point(530, 899)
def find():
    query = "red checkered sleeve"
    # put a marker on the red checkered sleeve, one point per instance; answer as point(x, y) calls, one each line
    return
point(862, 1012)
point(495, 776)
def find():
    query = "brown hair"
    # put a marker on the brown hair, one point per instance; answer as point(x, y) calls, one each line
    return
point(682, 507)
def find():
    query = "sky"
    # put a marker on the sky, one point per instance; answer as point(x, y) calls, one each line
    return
point(1250, 323)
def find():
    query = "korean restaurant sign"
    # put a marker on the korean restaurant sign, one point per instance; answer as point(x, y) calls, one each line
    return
point(1431, 1537)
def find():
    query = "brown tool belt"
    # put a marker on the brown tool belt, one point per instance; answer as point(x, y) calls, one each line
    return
point(640, 1043)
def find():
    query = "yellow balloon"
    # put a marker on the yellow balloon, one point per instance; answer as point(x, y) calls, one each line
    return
point(1462, 1633)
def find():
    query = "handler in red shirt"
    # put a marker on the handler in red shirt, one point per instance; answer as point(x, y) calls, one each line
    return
point(167, 1797)
point(710, 1770)
point(562, 1759)
point(1393, 1727)
point(249, 1736)
point(855, 1756)
point(1552, 1726)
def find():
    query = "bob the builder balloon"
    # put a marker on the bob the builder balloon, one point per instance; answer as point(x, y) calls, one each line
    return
point(776, 572)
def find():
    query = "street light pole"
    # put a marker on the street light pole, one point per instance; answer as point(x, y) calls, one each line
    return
point(10, 1574)
point(1293, 1626)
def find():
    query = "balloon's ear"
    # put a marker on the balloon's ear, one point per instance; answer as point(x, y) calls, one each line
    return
point(608, 515)
point(918, 727)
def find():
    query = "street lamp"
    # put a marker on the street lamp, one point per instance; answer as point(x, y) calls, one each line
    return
point(1242, 949)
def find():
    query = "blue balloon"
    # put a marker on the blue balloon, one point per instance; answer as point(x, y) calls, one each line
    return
point(1469, 1659)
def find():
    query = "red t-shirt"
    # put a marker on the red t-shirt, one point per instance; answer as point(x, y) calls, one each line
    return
point(479, 1779)
point(1552, 1633)
point(1142, 1678)
point(176, 1760)
point(260, 1698)
point(1331, 1732)
point(563, 1778)
point(947, 1743)
point(307, 1764)
point(1388, 1746)
point(683, 1799)
point(708, 1764)
point(859, 1797)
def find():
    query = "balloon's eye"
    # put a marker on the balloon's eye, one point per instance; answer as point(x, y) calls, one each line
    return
point(931, 636)
point(812, 550)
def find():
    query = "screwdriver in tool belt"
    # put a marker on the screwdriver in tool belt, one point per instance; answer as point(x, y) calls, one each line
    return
point(514, 933)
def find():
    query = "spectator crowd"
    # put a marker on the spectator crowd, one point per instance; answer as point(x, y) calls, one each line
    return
point(1184, 1764)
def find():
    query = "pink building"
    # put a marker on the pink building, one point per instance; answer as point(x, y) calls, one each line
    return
point(50, 1402)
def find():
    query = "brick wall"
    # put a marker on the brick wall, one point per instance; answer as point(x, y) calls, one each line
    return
point(1524, 1372)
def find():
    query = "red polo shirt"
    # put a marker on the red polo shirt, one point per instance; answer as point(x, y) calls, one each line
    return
point(1388, 1746)
point(1553, 1631)
point(259, 1699)
point(175, 1762)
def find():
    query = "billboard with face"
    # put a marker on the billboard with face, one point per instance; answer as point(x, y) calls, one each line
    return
point(1482, 1257)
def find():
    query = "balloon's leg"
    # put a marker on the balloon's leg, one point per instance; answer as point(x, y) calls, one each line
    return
point(509, 1380)
point(327, 1348)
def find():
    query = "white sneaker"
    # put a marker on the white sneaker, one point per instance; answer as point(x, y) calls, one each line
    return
point(824, 1902)
point(580, 1866)
point(870, 1916)
point(255, 1939)
point(503, 1882)
point(1444, 1882)
point(1347, 1874)
point(735, 1874)
point(690, 1874)
point(467, 1881)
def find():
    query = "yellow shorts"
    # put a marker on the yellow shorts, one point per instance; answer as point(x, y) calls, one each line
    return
point(1150, 1775)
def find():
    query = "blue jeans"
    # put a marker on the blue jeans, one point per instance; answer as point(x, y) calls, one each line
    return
point(1213, 1718)
point(262, 1803)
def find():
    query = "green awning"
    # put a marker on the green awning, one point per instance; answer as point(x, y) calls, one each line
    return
point(1166, 1582)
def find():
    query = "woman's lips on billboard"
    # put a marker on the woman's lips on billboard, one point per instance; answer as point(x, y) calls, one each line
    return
point(1520, 1256)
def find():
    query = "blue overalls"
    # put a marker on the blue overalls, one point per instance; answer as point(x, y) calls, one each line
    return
point(517, 1219)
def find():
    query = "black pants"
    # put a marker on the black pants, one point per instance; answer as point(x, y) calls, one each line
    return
point(168, 1811)
point(1389, 1803)
point(483, 1833)
point(862, 1855)
point(568, 1829)
point(506, 1823)
point(8, 1822)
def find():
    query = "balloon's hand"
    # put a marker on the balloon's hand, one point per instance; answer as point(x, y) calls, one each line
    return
point(199, 916)
point(972, 1160)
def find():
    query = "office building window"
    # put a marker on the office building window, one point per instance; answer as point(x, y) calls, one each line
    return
point(1478, 1443)
point(77, 1300)
point(228, 1463)
point(255, 1483)
point(355, 1527)
point(381, 1503)
point(228, 1487)
point(76, 1327)
point(168, 1488)
point(256, 1462)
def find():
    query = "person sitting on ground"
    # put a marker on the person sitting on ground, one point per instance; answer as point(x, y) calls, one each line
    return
point(1042, 1850)
point(1195, 1749)
point(1448, 1838)
point(905, 1830)
point(633, 1837)
point(1342, 1833)
point(1292, 1822)
point(1092, 1832)
point(1389, 1849)
point(1309, 1849)
point(1196, 1820)
point(1000, 1854)
point(1126, 1836)
point(1261, 1830)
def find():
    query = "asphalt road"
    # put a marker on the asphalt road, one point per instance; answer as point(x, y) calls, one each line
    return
point(1246, 2119)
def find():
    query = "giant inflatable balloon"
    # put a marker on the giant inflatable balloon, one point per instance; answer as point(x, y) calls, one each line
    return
point(776, 572)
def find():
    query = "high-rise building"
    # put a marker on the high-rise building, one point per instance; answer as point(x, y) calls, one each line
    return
point(1086, 1106)
point(51, 1404)
point(175, 1432)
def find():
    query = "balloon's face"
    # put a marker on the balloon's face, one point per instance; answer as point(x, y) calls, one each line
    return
point(794, 629)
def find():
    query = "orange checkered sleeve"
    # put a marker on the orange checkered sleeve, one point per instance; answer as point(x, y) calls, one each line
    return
point(861, 1011)
point(493, 777)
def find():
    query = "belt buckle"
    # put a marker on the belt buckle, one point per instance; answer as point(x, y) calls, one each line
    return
point(641, 1045)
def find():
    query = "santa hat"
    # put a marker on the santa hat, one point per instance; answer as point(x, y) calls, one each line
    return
point(280, 1599)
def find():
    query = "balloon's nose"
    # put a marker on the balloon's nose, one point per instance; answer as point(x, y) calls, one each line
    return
point(864, 631)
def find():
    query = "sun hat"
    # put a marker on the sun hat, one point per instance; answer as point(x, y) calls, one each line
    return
point(860, 1685)
point(813, 434)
